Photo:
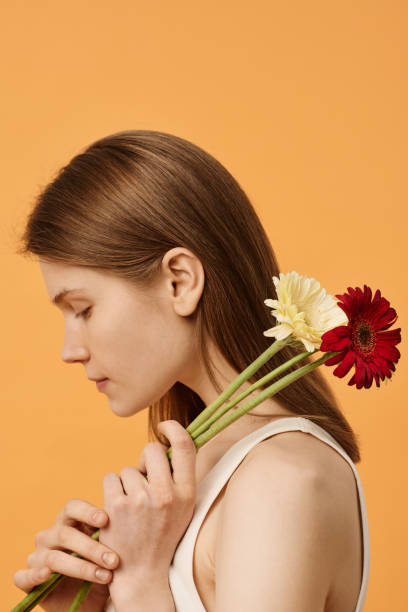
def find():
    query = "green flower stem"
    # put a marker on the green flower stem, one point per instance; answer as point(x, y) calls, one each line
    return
point(80, 596)
point(198, 423)
point(200, 433)
point(245, 374)
point(268, 392)
point(39, 592)
point(259, 383)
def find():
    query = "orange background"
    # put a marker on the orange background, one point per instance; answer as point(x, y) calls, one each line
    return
point(306, 104)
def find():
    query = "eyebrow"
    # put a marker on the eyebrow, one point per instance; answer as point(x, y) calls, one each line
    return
point(60, 297)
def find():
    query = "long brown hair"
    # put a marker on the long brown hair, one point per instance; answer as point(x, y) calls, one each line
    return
point(127, 199)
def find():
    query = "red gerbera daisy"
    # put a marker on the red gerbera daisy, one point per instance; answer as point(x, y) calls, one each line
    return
point(363, 341)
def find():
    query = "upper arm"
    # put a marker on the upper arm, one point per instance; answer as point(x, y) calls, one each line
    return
point(273, 539)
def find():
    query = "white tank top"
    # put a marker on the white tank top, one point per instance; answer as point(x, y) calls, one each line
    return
point(185, 594)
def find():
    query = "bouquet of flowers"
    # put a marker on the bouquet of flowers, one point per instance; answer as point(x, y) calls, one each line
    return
point(354, 331)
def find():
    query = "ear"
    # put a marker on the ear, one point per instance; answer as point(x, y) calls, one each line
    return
point(185, 278)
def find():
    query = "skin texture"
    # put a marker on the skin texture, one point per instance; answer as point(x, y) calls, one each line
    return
point(295, 512)
point(128, 330)
point(147, 517)
point(121, 332)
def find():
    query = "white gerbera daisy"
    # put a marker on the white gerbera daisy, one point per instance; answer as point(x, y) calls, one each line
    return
point(303, 309)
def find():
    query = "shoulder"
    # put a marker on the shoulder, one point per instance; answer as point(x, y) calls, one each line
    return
point(301, 455)
point(297, 474)
point(294, 463)
point(299, 462)
point(279, 520)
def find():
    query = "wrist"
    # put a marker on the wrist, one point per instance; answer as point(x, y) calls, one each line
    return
point(132, 592)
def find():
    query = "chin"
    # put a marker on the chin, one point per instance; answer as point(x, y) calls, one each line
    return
point(123, 411)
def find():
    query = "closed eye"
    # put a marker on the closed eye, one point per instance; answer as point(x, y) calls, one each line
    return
point(84, 313)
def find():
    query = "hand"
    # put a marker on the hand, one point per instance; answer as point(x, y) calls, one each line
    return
point(148, 517)
point(70, 533)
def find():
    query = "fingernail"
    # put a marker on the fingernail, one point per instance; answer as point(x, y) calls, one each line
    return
point(109, 558)
point(99, 516)
point(102, 574)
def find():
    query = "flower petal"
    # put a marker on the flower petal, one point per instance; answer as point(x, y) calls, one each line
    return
point(360, 372)
point(346, 364)
point(335, 359)
point(305, 307)
point(336, 339)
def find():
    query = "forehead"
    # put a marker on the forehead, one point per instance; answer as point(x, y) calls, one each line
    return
point(54, 272)
point(59, 277)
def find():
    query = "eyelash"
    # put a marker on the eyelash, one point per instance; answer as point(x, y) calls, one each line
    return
point(84, 313)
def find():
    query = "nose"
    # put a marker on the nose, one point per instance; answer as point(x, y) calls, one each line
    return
point(72, 354)
point(73, 349)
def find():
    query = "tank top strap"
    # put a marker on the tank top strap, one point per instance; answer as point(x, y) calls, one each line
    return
point(181, 578)
point(216, 478)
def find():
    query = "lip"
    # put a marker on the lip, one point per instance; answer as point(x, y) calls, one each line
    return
point(102, 383)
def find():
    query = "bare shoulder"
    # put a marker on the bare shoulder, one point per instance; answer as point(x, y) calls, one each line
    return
point(284, 501)
point(305, 469)
point(303, 453)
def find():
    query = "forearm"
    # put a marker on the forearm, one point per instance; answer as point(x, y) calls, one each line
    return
point(141, 594)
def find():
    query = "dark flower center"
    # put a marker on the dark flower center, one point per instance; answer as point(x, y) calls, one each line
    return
point(364, 336)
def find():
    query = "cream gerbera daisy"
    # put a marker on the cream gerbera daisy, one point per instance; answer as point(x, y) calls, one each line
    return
point(303, 310)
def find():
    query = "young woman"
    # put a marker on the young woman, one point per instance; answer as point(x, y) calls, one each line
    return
point(161, 266)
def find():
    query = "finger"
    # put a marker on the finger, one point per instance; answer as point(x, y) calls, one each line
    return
point(132, 480)
point(80, 510)
point(63, 563)
point(26, 579)
point(69, 539)
point(112, 489)
point(35, 560)
point(157, 466)
point(141, 466)
point(184, 453)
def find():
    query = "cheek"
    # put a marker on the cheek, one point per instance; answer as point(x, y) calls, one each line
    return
point(144, 367)
point(143, 347)
point(136, 344)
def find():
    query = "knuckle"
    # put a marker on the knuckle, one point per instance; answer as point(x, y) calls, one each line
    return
point(160, 425)
point(127, 469)
point(185, 443)
point(50, 557)
point(152, 446)
point(68, 506)
point(60, 516)
point(17, 578)
point(39, 537)
point(65, 512)
point(175, 429)
point(63, 536)
point(30, 560)
point(82, 571)
point(163, 500)
point(87, 571)
point(141, 498)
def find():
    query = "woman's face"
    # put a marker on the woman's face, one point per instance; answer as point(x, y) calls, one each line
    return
point(141, 340)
